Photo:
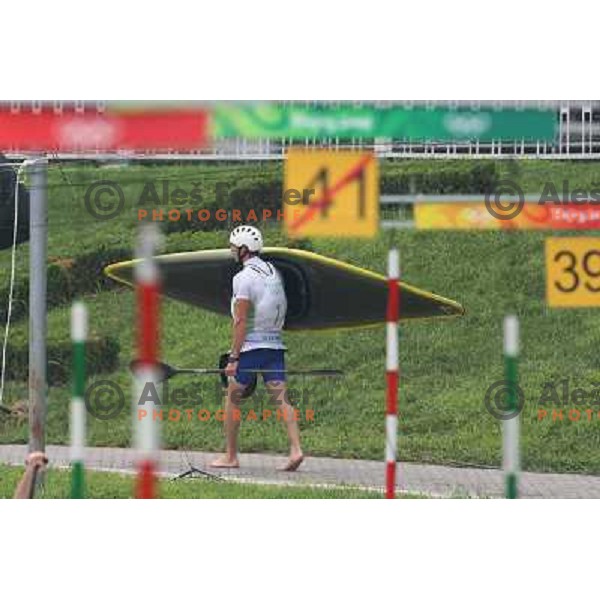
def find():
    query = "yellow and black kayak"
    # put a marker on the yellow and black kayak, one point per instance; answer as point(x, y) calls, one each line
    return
point(322, 293)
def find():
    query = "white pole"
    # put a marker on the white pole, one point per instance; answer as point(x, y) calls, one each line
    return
point(392, 373)
point(510, 429)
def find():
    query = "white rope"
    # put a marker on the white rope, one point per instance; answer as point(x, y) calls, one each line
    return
point(12, 281)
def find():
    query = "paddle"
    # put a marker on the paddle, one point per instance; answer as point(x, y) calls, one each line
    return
point(166, 371)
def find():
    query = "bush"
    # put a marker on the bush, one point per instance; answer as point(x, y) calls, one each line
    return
point(430, 177)
point(102, 356)
point(257, 194)
point(465, 177)
point(67, 279)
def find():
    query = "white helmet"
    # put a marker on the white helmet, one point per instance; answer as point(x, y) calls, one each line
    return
point(246, 235)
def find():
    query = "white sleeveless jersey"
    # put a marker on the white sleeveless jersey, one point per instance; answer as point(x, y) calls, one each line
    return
point(261, 283)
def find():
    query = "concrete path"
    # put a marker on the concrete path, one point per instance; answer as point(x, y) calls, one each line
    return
point(431, 480)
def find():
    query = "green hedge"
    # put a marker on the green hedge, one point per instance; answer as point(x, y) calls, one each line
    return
point(102, 356)
point(257, 194)
point(67, 279)
point(70, 278)
point(190, 241)
point(396, 178)
point(465, 177)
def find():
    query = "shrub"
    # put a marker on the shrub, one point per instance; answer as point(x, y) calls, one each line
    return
point(67, 279)
point(102, 356)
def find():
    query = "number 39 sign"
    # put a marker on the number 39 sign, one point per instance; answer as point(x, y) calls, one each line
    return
point(573, 271)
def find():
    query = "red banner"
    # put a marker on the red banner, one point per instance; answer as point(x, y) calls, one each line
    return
point(72, 131)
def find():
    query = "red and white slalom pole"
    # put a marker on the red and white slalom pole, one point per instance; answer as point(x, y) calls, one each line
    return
point(392, 372)
point(146, 429)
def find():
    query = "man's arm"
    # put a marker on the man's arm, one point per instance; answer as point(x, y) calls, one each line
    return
point(240, 320)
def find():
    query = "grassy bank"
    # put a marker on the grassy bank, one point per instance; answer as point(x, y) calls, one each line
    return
point(446, 366)
point(113, 485)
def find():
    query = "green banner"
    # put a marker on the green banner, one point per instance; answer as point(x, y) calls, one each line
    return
point(271, 120)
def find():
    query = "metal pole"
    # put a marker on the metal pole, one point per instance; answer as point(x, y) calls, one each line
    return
point(38, 230)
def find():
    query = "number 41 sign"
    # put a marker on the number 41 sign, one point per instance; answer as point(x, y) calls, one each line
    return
point(573, 271)
point(331, 194)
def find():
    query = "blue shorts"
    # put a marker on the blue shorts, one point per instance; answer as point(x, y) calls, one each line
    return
point(259, 359)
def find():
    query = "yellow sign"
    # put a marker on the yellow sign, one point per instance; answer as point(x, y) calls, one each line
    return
point(477, 215)
point(454, 215)
point(331, 194)
point(573, 271)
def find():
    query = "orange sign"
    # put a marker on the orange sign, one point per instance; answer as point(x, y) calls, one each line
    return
point(573, 271)
point(331, 194)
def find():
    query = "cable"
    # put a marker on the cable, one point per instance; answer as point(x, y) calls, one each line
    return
point(12, 279)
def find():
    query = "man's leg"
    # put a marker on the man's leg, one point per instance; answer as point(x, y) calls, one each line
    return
point(232, 426)
point(278, 392)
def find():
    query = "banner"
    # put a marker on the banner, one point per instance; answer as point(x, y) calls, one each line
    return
point(475, 215)
point(270, 120)
point(69, 130)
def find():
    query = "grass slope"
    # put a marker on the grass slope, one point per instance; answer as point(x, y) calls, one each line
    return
point(114, 485)
point(446, 365)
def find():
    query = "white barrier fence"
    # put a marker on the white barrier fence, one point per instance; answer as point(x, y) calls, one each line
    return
point(578, 138)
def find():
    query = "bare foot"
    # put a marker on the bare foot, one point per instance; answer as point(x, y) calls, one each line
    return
point(225, 462)
point(293, 463)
